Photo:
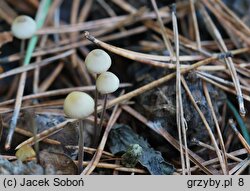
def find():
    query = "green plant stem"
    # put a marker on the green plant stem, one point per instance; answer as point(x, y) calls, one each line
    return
point(40, 18)
point(239, 121)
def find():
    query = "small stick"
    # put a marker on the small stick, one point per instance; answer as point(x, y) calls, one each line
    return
point(160, 130)
point(29, 134)
point(199, 143)
point(214, 160)
point(163, 33)
point(225, 166)
point(241, 138)
point(227, 89)
point(51, 78)
point(34, 65)
point(246, 164)
point(143, 89)
point(95, 160)
point(37, 69)
point(57, 92)
point(179, 107)
point(233, 15)
point(221, 80)
point(91, 151)
point(196, 28)
point(18, 103)
point(239, 167)
point(203, 118)
point(116, 167)
point(229, 62)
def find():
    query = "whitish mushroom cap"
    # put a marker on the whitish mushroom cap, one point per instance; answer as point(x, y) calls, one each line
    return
point(98, 61)
point(23, 27)
point(78, 105)
point(107, 82)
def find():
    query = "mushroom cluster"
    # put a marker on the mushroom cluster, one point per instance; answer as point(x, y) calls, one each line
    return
point(98, 62)
point(79, 105)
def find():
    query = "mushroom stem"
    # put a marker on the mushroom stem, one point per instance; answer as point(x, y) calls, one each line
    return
point(103, 112)
point(97, 130)
point(80, 145)
point(22, 48)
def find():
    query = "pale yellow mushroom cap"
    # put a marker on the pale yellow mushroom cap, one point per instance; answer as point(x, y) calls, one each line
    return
point(23, 27)
point(78, 105)
point(107, 82)
point(98, 61)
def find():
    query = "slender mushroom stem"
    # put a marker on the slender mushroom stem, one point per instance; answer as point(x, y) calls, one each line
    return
point(97, 131)
point(103, 112)
point(80, 146)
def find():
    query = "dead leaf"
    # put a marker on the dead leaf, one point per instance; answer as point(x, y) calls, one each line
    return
point(62, 164)
point(120, 139)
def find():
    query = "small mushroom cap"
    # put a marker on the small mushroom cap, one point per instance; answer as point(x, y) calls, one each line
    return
point(98, 61)
point(107, 82)
point(78, 105)
point(23, 27)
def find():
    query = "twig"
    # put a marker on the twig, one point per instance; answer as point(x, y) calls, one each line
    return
point(240, 122)
point(211, 161)
point(233, 15)
point(90, 25)
point(91, 150)
point(237, 169)
point(179, 107)
point(241, 138)
point(163, 32)
point(95, 160)
point(32, 66)
point(116, 167)
point(51, 78)
point(160, 130)
point(230, 90)
point(196, 28)
point(208, 98)
point(17, 106)
point(57, 92)
point(45, 133)
point(211, 135)
point(221, 80)
point(199, 143)
point(216, 34)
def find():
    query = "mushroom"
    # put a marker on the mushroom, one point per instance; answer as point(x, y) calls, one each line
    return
point(97, 62)
point(106, 83)
point(23, 27)
point(79, 105)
